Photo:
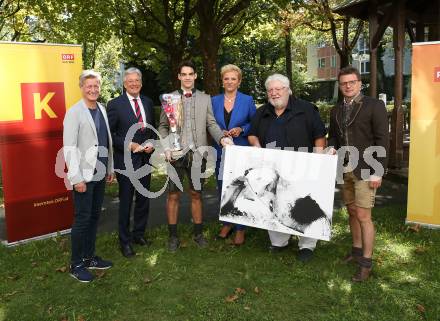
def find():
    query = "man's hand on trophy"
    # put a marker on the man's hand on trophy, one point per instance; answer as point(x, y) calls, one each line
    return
point(225, 141)
point(149, 148)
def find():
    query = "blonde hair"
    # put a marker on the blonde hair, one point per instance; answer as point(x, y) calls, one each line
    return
point(89, 74)
point(228, 68)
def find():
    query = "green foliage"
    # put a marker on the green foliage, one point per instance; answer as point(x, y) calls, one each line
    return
point(77, 22)
point(324, 110)
point(18, 20)
point(194, 284)
point(108, 60)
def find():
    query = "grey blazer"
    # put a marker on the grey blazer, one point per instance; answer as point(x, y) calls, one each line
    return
point(80, 143)
point(202, 119)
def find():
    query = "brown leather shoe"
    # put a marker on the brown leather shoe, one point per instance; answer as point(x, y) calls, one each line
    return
point(362, 274)
point(239, 238)
point(350, 258)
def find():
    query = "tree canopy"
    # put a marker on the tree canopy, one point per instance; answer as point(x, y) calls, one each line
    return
point(259, 36)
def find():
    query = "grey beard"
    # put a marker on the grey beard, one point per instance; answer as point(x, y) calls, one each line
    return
point(278, 104)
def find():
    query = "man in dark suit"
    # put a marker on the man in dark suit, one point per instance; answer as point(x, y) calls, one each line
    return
point(127, 110)
point(359, 122)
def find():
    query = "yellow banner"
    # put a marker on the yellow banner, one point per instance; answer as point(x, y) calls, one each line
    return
point(26, 67)
point(424, 158)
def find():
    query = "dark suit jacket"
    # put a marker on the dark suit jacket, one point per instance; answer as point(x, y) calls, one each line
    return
point(121, 117)
point(368, 126)
point(242, 113)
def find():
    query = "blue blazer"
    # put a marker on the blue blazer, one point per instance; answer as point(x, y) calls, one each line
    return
point(242, 113)
point(121, 117)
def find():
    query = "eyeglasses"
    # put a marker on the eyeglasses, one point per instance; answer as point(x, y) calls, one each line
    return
point(275, 90)
point(346, 83)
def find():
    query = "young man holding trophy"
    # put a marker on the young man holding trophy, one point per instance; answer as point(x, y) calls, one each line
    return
point(185, 119)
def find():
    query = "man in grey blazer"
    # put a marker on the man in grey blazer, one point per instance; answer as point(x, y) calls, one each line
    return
point(87, 148)
point(197, 118)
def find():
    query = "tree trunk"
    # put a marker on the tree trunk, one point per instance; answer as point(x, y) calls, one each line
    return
point(209, 41)
point(210, 47)
point(175, 58)
point(288, 51)
point(345, 59)
point(380, 70)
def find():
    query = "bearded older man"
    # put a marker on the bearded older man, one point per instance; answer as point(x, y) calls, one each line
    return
point(287, 122)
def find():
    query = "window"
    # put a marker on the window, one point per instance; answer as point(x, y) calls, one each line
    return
point(321, 63)
point(362, 46)
point(365, 67)
point(334, 61)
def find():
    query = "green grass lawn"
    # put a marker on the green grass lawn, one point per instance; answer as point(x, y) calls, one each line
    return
point(196, 284)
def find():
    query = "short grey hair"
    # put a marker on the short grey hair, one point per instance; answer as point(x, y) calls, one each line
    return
point(89, 74)
point(278, 77)
point(132, 70)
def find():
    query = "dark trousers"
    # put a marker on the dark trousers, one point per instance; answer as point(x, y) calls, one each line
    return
point(87, 208)
point(141, 208)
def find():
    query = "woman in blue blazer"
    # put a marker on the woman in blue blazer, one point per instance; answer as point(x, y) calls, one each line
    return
point(233, 112)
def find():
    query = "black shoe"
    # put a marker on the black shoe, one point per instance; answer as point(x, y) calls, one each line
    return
point(277, 249)
point(305, 255)
point(141, 241)
point(200, 241)
point(127, 250)
point(173, 244)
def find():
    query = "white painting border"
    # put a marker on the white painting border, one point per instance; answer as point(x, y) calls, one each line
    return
point(279, 190)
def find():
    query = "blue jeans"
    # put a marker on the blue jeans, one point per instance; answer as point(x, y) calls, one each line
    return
point(85, 223)
point(237, 227)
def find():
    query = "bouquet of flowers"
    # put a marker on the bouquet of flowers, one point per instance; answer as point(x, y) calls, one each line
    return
point(172, 106)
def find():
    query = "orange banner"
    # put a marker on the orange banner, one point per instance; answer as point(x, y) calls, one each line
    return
point(424, 159)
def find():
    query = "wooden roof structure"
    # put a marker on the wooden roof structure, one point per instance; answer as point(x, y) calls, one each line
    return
point(421, 20)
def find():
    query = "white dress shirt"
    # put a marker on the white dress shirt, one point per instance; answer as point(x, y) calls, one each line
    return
point(141, 106)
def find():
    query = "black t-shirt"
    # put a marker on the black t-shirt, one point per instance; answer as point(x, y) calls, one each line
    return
point(276, 133)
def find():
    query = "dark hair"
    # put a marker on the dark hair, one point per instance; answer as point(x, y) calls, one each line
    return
point(349, 70)
point(187, 63)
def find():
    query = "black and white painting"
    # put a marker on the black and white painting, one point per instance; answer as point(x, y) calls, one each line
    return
point(283, 191)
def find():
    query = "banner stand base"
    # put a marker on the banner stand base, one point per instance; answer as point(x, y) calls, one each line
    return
point(430, 226)
point(36, 238)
